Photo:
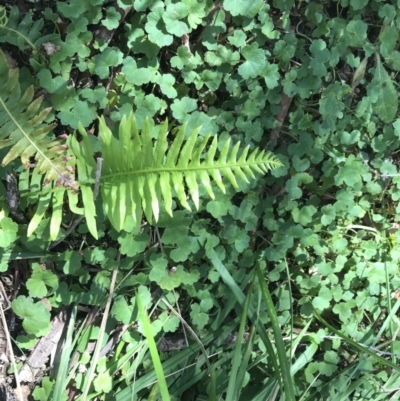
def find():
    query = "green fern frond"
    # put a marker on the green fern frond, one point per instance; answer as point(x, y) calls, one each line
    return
point(22, 129)
point(139, 173)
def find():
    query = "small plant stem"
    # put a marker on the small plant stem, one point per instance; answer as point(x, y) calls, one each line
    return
point(9, 345)
point(22, 36)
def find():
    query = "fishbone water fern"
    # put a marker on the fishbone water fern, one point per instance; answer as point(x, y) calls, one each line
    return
point(138, 173)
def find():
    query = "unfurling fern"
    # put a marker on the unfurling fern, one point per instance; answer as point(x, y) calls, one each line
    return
point(138, 172)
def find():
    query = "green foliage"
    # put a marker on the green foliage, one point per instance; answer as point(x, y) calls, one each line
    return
point(8, 232)
point(314, 82)
point(40, 281)
point(23, 34)
point(383, 93)
point(43, 392)
point(36, 318)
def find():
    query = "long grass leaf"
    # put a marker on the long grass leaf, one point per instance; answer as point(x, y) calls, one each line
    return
point(170, 364)
point(358, 347)
point(240, 298)
point(144, 318)
point(61, 383)
point(280, 346)
point(233, 390)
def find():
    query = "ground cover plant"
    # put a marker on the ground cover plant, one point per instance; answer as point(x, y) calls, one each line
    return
point(199, 200)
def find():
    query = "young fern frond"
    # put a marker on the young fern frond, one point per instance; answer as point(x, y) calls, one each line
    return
point(141, 174)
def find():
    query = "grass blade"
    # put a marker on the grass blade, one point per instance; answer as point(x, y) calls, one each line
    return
point(240, 297)
point(280, 346)
point(144, 318)
point(170, 364)
point(234, 386)
point(358, 347)
point(61, 382)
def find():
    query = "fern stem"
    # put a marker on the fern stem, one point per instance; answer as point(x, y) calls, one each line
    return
point(22, 36)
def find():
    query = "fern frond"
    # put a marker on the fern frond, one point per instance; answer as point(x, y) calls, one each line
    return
point(22, 128)
point(141, 174)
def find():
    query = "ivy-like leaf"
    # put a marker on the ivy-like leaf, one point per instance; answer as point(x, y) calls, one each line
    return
point(321, 56)
point(387, 12)
point(255, 61)
point(196, 11)
point(358, 4)
point(238, 38)
point(121, 310)
point(356, 32)
point(199, 318)
point(222, 55)
point(132, 245)
point(156, 29)
point(40, 281)
point(110, 57)
point(103, 382)
point(8, 231)
point(74, 9)
point(182, 107)
point(52, 85)
point(36, 318)
point(112, 19)
point(172, 18)
point(81, 113)
point(42, 393)
point(166, 83)
point(243, 7)
point(135, 75)
point(271, 75)
point(388, 37)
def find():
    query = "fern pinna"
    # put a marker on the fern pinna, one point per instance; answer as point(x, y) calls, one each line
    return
point(138, 172)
